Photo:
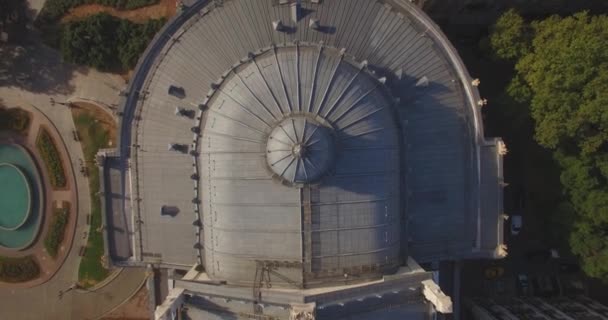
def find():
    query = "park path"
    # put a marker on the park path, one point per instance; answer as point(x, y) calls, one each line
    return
point(163, 9)
point(48, 77)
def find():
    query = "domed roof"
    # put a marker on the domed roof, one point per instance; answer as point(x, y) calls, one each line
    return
point(300, 150)
point(410, 169)
point(292, 130)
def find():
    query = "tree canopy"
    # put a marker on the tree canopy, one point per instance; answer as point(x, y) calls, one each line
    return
point(106, 42)
point(562, 74)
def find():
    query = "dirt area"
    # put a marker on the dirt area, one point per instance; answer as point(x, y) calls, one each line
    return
point(135, 309)
point(163, 9)
point(106, 120)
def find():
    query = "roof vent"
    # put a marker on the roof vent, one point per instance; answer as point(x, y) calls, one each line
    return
point(399, 74)
point(183, 148)
point(183, 112)
point(178, 92)
point(277, 25)
point(423, 82)
point(314, 24)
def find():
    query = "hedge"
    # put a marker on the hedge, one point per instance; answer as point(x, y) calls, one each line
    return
point(14, 119)
point(52, 160)
point(56, 232)
point(18, 269)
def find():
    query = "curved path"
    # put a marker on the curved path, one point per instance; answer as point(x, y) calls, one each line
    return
point(163, 9)
point(43, 302)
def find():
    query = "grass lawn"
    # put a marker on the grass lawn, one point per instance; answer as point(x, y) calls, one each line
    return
point(94, 136)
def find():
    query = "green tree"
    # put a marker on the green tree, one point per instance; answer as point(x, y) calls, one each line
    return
point(106, 42)
point(562, 74)
point(510, 36)
point(589, 240)
point(134, 40)
point(91, 41)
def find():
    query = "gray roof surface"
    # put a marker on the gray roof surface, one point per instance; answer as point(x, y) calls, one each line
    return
point(248, 137)
point(300, 150)
point(118, 221)
point(438, 146)
point(397, 296)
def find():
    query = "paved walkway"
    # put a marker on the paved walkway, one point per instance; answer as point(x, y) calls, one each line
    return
point(39, 86)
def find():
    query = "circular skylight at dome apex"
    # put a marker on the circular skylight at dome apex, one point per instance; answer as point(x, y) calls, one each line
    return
point(300, 150)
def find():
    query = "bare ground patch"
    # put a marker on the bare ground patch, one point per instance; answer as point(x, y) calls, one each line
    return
point(164, 9)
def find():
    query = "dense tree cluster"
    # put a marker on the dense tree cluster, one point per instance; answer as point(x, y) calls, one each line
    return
point(562, 75)
point(106, 42)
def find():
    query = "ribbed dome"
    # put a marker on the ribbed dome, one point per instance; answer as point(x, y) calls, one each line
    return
point(300, 150)
point(410, 173)
point(300, 155)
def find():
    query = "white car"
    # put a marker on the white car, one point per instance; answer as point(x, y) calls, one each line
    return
point(516, 223)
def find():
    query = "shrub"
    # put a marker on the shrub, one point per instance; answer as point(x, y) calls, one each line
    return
point(56, 232)
point(18, 269)
point(52, 160)
point(14, 119)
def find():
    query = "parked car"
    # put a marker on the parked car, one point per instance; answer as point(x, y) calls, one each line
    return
point(516, 224)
